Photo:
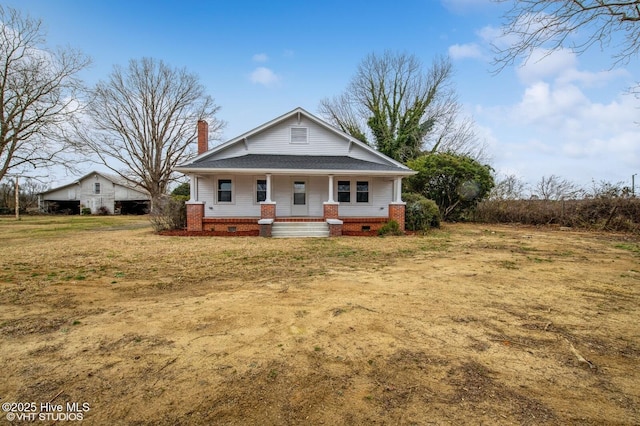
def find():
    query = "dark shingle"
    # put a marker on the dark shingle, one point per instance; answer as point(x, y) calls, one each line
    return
point(295, 162)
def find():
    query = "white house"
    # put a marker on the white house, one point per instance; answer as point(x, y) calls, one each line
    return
point(95, 190)
point(293, 169)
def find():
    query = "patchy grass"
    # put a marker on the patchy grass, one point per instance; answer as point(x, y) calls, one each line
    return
point(632, 247)
point(466, 324)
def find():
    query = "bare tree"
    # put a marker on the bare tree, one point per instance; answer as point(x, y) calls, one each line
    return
point(571, 24)
point(27, 197)
point(556, 188)
point(143, 121)
point(509, 187)
point(455, 132)
point(608, 190)
point(39, 88)
point(395, 105)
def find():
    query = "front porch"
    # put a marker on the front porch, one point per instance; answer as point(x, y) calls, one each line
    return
point(244, 204)
point(263, 226)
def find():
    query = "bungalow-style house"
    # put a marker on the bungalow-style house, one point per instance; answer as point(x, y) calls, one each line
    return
point(94, 191)
point(295, 175)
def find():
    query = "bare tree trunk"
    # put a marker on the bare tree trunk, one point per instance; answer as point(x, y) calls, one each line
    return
point(17, 199)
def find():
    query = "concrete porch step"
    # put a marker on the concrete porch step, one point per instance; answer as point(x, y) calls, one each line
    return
point(299, 229)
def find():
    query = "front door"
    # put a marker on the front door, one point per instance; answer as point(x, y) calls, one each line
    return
point(299, 205)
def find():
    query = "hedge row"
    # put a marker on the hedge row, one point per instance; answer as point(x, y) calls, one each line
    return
point(610, 214)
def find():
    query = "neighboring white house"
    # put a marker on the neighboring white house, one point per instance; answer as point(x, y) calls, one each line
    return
point(94, 191)
point(294, 168)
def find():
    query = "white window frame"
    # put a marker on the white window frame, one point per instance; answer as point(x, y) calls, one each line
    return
point(353, 190)
point(369, 192)
point(217, 190)
point(255, 188)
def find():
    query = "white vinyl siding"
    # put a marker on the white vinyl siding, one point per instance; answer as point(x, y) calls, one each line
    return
point(122, 193)
point(97, 191)
point(244, 205)
point(277, 140)
point(380, 195)
point(316, 194)
point(243, 197)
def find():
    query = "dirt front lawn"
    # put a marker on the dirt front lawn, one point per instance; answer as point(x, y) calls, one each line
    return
point(469, 324)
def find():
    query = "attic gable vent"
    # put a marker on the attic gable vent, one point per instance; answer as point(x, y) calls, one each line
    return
point(299, 135)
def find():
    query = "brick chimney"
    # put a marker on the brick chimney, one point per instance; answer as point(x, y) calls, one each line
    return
point(203, 136)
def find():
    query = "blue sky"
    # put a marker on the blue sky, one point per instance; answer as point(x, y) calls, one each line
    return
point(566, 115)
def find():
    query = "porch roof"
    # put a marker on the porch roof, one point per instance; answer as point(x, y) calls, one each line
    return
point(315, 164)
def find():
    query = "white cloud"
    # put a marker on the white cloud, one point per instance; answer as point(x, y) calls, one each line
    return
point(591, 79)
point(546, 64)
point(571, 120)
point(288, 53)
point(260, 57)
point(558, 129)
point(543, 105)
point(494, 36)
point(463, 51)
point(264, 76)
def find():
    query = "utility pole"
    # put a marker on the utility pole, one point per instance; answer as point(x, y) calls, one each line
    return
point(633, 184)
point(17, 199)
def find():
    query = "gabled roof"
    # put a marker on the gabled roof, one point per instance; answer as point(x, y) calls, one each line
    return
point(118, 180)
point(293, 163)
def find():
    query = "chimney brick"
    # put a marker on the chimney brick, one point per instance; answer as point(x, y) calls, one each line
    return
point(203, 136)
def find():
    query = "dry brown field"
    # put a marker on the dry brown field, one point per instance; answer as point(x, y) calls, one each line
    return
point(469, 324)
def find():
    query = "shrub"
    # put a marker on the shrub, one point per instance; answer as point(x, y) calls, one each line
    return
point(169, 213)
point(103, 211)
point(390, 228)
point(420, 213)
point(457, 183)
point(85, 210)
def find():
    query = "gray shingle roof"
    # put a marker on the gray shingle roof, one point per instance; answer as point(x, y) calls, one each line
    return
point(294, 162)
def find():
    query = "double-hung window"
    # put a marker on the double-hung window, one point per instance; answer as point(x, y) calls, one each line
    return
point(362, 191)
point(261, 190)
point(344, 191)
point(225, 188)
point(96, 188)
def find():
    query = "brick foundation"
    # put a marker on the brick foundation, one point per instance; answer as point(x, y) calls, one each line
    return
point(267, 210)
point(335, 227)
point(396, 212)
point(262, 226)
point(266, 227)
point(362, 226)
point(232, 226)
point(330, 210)
point(195, 214)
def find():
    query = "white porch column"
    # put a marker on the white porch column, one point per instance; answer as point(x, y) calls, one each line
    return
point(330, 200)
point(193, 182)
point(398, 182)
point(268, 200)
